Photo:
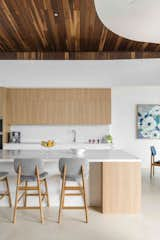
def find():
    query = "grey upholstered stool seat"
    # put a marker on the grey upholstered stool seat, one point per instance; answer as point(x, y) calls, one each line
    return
point(3, 174)
point(72, 169)
point(28, 171)
point(34, 178)
point(28, 166)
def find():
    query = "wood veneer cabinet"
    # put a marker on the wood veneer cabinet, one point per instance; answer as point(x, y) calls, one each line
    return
point(3, 111)
point(2, 101)
point(121, 187)
point(59, 106)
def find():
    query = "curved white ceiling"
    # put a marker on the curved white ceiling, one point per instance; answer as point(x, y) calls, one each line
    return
point(137, 20)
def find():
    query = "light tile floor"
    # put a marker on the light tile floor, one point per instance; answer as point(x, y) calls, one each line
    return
point(145, 226)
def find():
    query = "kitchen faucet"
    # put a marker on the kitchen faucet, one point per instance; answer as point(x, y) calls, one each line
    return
point(74, 135)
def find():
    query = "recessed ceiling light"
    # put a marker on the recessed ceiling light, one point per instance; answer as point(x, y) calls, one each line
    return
point(56, 14)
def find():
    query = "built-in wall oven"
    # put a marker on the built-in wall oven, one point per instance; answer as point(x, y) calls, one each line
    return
point(1, 133)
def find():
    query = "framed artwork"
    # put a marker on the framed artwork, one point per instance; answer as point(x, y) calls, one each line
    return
point(148, 121)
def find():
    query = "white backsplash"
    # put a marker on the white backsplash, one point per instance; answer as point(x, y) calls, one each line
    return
point(61, 134)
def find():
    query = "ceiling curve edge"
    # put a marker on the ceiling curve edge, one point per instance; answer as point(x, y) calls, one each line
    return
point(135, 20)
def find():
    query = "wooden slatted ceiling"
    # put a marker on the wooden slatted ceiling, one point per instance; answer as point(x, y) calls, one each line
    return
point(30, 25)
point(113, 55)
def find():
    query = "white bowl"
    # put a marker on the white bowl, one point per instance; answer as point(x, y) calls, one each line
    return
point(79, 152)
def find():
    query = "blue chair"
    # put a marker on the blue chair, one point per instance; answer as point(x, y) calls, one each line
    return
point(153, 162)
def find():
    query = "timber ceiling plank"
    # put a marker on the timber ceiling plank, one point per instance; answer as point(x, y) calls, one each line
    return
point(31, 26)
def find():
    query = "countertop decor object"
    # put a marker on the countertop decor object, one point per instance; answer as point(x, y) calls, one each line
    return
point(49, 143)
point(107, 139)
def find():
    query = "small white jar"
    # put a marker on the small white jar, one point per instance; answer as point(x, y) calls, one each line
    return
point(78, 152)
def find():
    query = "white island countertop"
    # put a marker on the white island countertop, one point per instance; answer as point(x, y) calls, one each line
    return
point(107, 155)
point(58, 146)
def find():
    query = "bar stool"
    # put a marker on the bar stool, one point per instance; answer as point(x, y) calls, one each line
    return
point(4, 178)
point(30, 171)
point(72, 169)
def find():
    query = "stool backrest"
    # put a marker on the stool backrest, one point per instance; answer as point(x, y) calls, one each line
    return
point(28, 166)
point(153, 151)
point(74, 166)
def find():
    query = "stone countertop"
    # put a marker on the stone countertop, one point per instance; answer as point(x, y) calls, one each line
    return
point(58, 146)
point(100, 155)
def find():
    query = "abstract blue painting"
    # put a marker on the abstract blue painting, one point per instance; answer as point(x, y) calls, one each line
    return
point(148, 121)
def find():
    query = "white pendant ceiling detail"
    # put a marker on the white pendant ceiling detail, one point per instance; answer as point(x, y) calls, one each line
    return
point(137, 20)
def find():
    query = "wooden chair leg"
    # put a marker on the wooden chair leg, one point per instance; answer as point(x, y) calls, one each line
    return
point(40, 196)
point(46, 191)
point(8, 192)
point(153, 171)
point(25, 196)
point(84, 195)
point(62, 195)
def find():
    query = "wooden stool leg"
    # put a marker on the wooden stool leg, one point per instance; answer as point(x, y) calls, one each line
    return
point(25, 196)
point(16, 198)
point(8, 192)
point(40, 196)
point(62, 195)
point(15, 207)
point(84, 195)
point(46, 191)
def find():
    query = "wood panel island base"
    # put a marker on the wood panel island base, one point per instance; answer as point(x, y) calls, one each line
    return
point(121, 187)
point(114, 182)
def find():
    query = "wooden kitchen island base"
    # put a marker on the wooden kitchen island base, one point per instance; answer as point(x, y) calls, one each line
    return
point(121, 187)
point(114, 181)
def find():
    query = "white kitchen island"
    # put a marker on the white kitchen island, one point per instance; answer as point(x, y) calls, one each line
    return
point(114, 183)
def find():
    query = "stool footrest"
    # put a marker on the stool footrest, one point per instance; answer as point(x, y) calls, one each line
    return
point(72, 208)
point(35, 194)
point(73, 194)
point(20, 188)
point(72, 188)
point(31, 208)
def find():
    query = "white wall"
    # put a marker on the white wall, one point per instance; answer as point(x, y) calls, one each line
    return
point(29, 73)
point(60, 133)
point(124, 101)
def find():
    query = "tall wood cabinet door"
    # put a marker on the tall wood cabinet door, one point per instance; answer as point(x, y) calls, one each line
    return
point(3, 112)
point(2, 101)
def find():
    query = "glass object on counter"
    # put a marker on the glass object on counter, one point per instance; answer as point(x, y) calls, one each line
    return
point(107, 139)
point(94, 141)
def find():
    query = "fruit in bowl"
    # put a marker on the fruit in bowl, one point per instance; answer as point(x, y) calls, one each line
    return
point(49, 143)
